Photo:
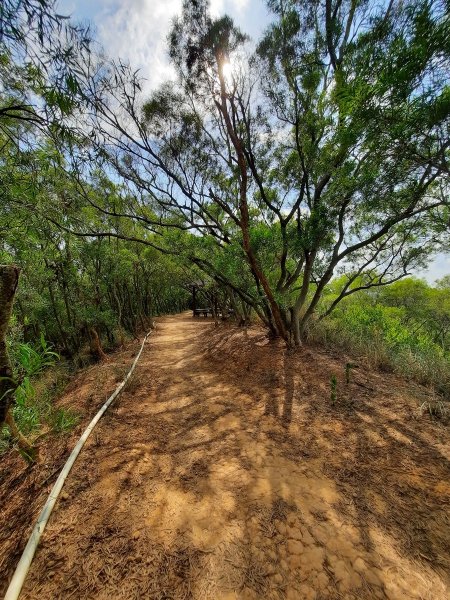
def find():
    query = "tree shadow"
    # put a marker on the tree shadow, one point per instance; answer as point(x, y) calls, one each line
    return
point(238, 484)
point(289, 389)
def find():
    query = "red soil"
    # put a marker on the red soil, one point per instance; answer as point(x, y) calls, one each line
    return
point(224, 471)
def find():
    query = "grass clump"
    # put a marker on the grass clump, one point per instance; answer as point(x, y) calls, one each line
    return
point(63, 420)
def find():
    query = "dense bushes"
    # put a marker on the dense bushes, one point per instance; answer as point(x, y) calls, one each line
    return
point(404, 328)
point(71, 289)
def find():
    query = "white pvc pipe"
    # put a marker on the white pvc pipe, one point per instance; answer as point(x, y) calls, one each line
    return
point(23, 566)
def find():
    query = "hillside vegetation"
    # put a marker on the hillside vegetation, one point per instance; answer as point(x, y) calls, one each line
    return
point(403, 328)
point(264, 211)
point(295, 180)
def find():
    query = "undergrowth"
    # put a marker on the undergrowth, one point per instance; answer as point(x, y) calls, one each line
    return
point(41, 379)
point(380, 335)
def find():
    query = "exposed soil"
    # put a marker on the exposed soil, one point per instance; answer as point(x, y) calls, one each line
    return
point(225, 471)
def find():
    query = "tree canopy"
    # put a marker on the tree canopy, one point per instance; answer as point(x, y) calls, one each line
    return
point(272, 166)
point(322, 149)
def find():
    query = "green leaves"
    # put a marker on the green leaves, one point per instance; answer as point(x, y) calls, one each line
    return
point(404, 327)
point(32, 361)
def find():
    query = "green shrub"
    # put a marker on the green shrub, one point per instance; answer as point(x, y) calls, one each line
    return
point(40, 381)
point(389, 339)
point(30, 363)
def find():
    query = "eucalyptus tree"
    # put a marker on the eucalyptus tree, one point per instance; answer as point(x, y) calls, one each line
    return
point(323, 151)
point(39, 51)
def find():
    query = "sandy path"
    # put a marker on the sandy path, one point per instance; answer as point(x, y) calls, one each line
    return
point(188, 490)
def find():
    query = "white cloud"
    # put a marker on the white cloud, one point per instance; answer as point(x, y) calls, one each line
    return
point(437, 269)
point(136, 30)
point(220, 7)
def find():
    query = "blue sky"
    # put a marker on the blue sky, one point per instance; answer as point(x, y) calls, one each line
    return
point(136, 30)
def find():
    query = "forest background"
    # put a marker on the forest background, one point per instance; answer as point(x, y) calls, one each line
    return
point(297, 180)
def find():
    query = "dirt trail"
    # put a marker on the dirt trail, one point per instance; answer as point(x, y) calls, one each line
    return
point(211, 479)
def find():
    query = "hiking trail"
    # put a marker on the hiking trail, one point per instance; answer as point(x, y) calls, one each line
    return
point(213, 476)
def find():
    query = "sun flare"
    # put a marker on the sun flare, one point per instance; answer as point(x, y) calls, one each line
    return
point(227, 70)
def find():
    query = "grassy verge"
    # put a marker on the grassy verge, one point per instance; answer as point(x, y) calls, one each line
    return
point(35, 412)
point(379, 334)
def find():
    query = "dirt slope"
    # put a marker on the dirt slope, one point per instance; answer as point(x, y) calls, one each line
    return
point(224, 472)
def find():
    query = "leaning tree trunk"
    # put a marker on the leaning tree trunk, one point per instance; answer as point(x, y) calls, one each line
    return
point(9, 278)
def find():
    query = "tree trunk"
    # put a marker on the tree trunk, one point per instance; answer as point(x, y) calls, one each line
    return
point(194, 299)
point(62, 333)
point(214, 314)
point(119, 317)
point(295, 327)
point(244, 221)
point(9, 279)
point(26, 448)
